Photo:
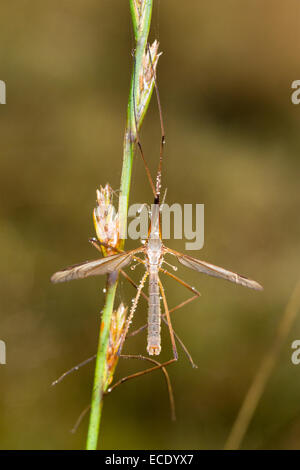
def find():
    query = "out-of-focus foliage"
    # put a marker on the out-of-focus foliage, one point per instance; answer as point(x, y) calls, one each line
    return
point(233, 143)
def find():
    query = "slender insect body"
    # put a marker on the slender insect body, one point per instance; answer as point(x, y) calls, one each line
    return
point(154, 314)
point(154, 257)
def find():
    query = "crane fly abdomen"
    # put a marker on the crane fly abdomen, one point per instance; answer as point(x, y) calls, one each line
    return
point(153, 339)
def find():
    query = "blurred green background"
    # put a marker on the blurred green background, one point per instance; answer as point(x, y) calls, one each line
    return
point(233, 143)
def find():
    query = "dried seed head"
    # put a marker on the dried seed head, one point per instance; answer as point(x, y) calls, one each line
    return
point(139, 6)
point(106, 220)
point(146, 78)
point(117, 326)
point(149, 66)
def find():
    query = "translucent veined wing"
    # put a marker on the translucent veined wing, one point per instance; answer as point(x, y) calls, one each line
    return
point(215, 271)
point(96, 267)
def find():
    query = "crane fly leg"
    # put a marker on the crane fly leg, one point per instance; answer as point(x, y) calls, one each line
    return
point(180, 281)
point(185, 349)
point(132, 310)
point(167, 313)
point(73, 369)
point(80, 418)
point(132, 376)
point(184, 284)
point(97, 244)
point(157, 366)
point(131, 281)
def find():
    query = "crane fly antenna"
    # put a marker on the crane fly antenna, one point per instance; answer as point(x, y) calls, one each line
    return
point(137, 131)
point(162, 127)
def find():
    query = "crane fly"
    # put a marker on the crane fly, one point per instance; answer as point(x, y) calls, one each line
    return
point(154, 252)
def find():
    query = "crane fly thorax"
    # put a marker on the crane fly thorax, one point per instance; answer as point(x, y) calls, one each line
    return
point(154, 253)
point(154, 246)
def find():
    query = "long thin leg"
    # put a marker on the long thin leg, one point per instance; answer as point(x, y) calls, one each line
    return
point(132, 376)
point(197, 294)
point(183, 283)
point(163, 140)
point(138, 137)
point(182, 304)
point(131, 281)
point(132, 310)
point(80, 418)
point(168, 319)
point(95, 242)
point(185, 349)
point(73, 369)
point(143, 372)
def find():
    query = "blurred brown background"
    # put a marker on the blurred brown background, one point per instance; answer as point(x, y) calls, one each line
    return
point(232, 143)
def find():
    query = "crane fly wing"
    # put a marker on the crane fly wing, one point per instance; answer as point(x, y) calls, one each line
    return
point(96, 267)
point(215, 271)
